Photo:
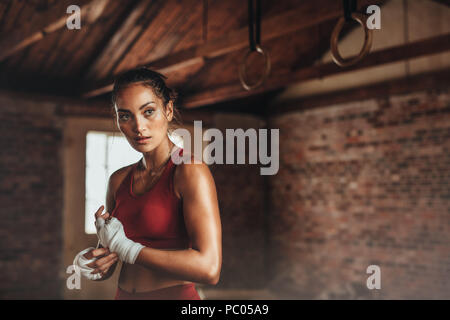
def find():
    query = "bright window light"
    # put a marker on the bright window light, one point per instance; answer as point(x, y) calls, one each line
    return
point(105, 153)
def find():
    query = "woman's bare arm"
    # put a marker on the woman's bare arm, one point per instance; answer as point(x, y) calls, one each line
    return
point(201, 263)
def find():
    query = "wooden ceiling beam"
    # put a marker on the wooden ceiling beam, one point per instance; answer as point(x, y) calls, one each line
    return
point(19, 39)
point(444, 2)
point(124, 38)
point(163, 34)
point(407, 51)
point(429, 80)
point(308, 14)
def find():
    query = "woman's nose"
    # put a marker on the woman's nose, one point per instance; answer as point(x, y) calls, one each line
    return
point(139, 127)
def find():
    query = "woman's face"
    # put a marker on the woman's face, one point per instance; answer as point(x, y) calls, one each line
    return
point(140, 113)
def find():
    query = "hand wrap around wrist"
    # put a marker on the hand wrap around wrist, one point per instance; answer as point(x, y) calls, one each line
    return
point(112, 235)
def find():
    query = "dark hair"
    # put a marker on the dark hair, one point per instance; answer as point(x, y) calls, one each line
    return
point(151, 79)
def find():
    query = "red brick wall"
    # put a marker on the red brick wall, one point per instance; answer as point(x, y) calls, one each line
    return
point(31, 192)
point(363, 183)
point(241, 197)
point(359, 183)
point(241, 203)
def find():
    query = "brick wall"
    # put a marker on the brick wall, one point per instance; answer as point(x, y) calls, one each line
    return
point(359, 183)
point(31, 184)
point(363, 183)
point(240, 190)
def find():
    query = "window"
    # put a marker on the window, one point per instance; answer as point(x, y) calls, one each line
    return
point(105, 153)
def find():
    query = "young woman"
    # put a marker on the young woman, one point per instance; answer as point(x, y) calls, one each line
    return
point(169, 213)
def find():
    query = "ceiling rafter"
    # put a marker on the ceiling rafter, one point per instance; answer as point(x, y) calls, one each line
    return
point(123, 39)
point(411, 50)
point(444, 2)
point(163, 34)
point(308, 14)
point(434, 79)
point(19, 39)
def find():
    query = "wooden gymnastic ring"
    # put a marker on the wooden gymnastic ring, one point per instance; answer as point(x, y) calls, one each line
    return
point(337, 58)
point(243, 69)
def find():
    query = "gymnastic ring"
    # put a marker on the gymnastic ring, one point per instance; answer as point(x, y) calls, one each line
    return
point(243, 69)
point(337, 58)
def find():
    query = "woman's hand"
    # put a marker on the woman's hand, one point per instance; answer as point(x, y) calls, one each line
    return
point(99, 214)
point(105, 259)
point(112, 235)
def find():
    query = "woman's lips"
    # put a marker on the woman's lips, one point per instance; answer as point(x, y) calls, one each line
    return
point(143, 140)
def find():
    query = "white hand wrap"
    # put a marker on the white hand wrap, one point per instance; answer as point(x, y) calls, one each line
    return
point(81, 262)
point(112, 236)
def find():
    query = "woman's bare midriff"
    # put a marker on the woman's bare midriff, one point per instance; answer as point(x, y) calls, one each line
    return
point(135, 278)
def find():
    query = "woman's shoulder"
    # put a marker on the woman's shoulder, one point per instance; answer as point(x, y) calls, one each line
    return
point(190, 164)
point(117, 177)
point(114, 182)
point(189, 174)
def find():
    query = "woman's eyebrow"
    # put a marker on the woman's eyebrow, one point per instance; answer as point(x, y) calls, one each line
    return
point(143, 106)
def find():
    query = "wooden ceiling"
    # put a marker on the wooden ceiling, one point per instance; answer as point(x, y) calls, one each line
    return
point(197, 44)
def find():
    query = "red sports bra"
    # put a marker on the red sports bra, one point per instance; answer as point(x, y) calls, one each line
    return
point(155, 218)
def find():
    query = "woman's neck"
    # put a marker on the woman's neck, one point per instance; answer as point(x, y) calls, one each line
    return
point(156, 158)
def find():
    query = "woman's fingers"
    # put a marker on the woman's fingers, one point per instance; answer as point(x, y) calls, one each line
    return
point(96, 253)
point(103, 270)
point(99, 211)
point(89, 255)
point(102, 265)
point(100, 252)
point(97, 263)
point(105, 216)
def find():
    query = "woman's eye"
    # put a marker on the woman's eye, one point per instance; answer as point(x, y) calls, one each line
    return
point(123, 117)
point(150, 111)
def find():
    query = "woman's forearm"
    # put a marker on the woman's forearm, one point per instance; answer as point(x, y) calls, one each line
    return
point(188, 264)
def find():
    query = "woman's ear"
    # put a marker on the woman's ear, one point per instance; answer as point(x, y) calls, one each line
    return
point(169, 110)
